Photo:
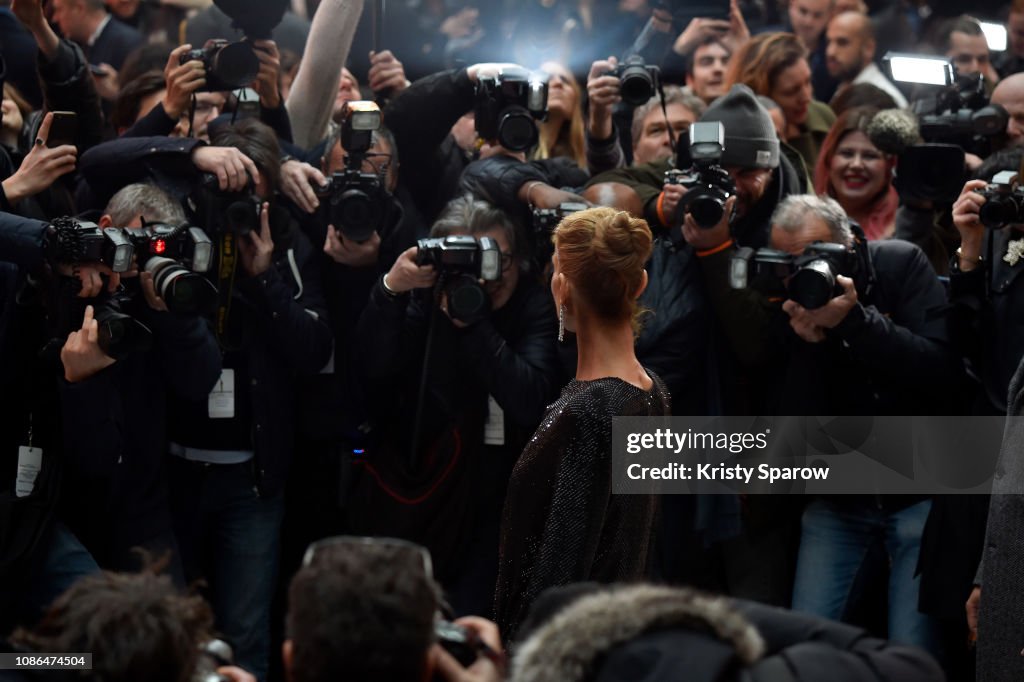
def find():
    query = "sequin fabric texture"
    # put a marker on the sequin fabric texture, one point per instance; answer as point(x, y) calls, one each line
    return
point(561, 523)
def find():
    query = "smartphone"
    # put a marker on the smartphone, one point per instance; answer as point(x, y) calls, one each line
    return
point(63, 128)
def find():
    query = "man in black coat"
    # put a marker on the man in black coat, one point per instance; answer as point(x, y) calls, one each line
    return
point(104, 39)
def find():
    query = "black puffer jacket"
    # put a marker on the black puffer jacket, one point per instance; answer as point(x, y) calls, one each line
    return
point(645, 633)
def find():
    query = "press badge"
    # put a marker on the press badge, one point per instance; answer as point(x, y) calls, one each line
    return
point(30, 461)
point(494, 429)
point(221, 403)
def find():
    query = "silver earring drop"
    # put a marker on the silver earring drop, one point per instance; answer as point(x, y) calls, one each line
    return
point(561, 323)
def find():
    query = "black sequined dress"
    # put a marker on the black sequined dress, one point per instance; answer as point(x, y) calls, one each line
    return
point(561, 523)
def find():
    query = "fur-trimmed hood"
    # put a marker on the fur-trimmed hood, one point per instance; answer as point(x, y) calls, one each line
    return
point(573, 645)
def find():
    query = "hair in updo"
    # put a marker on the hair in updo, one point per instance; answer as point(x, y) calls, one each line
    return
point(602, 252)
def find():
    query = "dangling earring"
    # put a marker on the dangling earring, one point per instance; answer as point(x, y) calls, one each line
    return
point(561, 323)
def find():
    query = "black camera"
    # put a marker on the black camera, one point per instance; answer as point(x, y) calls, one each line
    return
point(71, 241)
point(464, 645)
point(507, 106)
point(237, 213)
point(810, 278)
point(176, 256)
point(119, 333)
point(1004, 201)
point(358, 203)
point(638, 82)
point(544, 222)
point(461, 262)
point(709, 185)
point(229, 66)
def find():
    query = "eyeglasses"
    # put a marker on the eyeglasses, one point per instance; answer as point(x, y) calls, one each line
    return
point(379, 161)
point(507, 261)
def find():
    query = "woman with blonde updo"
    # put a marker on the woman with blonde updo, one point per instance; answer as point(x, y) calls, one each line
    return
point(561, 523)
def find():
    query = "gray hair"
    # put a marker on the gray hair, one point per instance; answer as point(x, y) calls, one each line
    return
point(673, 95)
point(469, 214)
point(148, 201)
point(792, 212)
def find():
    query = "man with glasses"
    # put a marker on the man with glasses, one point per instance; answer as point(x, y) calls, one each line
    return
point(369, 609)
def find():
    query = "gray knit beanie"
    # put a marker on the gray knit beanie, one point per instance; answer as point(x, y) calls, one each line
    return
point(750, 138)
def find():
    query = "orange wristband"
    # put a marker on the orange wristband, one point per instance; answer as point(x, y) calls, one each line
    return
point(658, 209)
point(718, 249)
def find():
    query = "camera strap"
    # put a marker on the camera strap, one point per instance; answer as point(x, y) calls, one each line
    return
point(226, 266)
point(421, 394)
point(664, 112)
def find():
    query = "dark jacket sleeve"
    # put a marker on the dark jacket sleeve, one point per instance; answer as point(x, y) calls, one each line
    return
point(387, 334)
point(68, 86)
point(191, 359)
point(167, 161)
point(278, 120)
point(519, 374)
point(647, 181)
point(424, 113)
point(154, 124)
point(804, 647)
point(604, 155)
point(93, 415)
point(21, 240)
point(905, 335)
point(296, 324)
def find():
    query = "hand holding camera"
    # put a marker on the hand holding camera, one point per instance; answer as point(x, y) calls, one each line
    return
point(299, 182)
point(267, 83)
point(232, 168)
point(386, 73)
point(810, 324)
point(350, 252)
point(488, 665)
point(183, 78)
point(81, 355)
point(407, 274)
point(257, 249)
point(967, 219)
point(703, 238)
point(603, 93)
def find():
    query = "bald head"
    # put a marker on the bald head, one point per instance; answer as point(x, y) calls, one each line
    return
point(850, 45)
point(616, 195)
point(1010, 94)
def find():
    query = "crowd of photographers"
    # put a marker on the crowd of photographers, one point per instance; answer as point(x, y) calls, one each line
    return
point(277, 272)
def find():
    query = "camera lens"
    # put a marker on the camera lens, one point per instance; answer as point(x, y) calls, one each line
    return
point(467, 300)
point(235, 65)
point(998, 211)
point(120, 334)
point(242, 217)
point(355, 214)
point(813, 285)
point(707, 211)
point(516, 129)
point(636, 85)
point(183, 291)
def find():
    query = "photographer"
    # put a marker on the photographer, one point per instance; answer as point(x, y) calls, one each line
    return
point(114, 411)
point(472, 392)
point(876, 348)
point(232, 458)
point(651, 139)
point(188, 106)
point(983, 289)
point(751, 157)
point(368, 609)
point(136, 626)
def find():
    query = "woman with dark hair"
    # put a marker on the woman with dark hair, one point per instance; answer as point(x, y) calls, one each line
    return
point(561, 524)
point(858, 175)
point(775, 65)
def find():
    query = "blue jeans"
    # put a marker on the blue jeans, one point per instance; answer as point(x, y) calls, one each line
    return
point(60, 566)
point(834, 548)
point(230, 536)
